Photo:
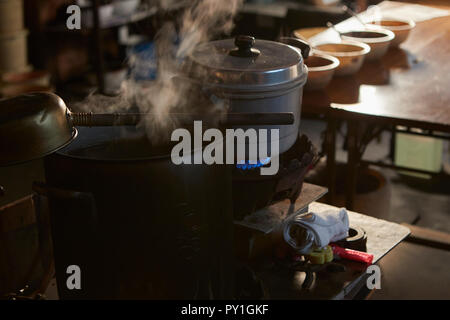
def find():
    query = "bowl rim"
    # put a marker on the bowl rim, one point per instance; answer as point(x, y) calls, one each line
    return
point(389, 36)
point(409, 24)
point(364, 49)
point(333, 65)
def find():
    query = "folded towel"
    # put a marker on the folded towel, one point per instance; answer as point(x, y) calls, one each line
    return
point(303, 231)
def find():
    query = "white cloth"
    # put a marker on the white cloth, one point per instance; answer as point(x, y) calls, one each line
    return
point(321, 228)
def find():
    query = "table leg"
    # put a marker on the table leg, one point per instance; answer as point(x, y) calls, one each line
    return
point(392, 144)
point(331, 158)
point(352, 163)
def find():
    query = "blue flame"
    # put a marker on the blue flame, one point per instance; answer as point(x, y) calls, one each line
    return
point(245, 165)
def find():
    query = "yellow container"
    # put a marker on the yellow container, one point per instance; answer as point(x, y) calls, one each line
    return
point(13, 51)
point(11, 16)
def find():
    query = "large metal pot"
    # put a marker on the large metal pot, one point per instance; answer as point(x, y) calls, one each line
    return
point(255, 76)
point(137, 225)
point(36, 124)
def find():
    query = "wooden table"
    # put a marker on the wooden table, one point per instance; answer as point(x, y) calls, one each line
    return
point(410, 87)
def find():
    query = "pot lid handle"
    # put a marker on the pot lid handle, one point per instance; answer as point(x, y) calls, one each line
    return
point(304, 46)
point(245, 48)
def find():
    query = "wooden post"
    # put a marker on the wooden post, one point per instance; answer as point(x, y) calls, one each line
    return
point(352, 163)
point(98, 47)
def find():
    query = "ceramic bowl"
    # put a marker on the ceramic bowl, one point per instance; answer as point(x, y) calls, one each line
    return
point(378, 39)
point(321, 68)
point(351, 55)
point(401, 28)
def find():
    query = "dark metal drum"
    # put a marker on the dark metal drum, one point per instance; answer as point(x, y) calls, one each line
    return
point(138, 226)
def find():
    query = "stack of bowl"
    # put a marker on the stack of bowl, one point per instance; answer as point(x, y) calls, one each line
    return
point(379, 40)
point(321, 69)
point(401, 28)
point(369, 43)
point(16, 75)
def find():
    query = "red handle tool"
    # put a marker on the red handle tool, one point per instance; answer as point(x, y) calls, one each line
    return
point(352, 254)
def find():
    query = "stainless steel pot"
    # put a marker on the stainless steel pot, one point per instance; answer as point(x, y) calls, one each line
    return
point(255, 76)
point(36, 124)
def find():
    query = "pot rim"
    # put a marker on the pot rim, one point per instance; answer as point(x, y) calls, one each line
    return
point(262, 71)
point(388, 36)
point(409, 24)
point(364, 49)
point(42, 155)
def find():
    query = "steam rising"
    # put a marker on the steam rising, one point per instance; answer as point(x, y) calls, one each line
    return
point(199, 21)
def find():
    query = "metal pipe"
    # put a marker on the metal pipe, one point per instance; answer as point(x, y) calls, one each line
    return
point(400, 168)
point(98, 46)
point(232, 119)
point(267, 118)
point(353, 14)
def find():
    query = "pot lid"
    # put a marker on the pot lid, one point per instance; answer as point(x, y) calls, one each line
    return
point(32, 126)
point(246, 61)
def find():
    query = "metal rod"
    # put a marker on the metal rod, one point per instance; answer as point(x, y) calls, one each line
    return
point(330, 149)
point(276, 118)
point(428, 133)
point(330, 25)
point(352, 164)
point(105, 119)
point(232, 119)
point(98, 46)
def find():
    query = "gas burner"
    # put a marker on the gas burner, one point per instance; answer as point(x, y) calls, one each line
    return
point(252, 191)
point(246, 165)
